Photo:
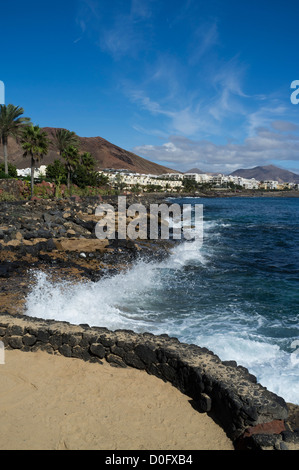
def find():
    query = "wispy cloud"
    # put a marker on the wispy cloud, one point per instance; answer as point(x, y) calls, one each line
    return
point(187, 120)
point(169, 84)
point(271, 111)
point(188, 88)
point(93, 6)
point(226, 79)
point(196, 105)
point(205, 38)
point(118, 31)
point(125, 35)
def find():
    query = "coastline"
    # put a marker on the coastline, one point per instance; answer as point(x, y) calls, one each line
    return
point(244, 193)
point(23, 248)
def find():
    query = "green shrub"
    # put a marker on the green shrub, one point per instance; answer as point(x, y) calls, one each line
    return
point(12, 171)
point(56, 172)
point(5, 196)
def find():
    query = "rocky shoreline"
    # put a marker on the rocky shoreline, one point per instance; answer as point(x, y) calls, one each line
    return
point(58, 237)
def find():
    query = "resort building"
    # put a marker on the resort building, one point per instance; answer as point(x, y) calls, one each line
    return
point(192, 176)
point(38, 172)
point(128, 180)
point(269, 185)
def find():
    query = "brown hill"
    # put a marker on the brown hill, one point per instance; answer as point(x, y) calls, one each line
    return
point(106, 154)
point(269, 172)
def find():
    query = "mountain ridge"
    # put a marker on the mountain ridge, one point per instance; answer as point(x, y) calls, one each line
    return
point(200, 172)
point(106, 154)
point(260, 173)
point(268, 172)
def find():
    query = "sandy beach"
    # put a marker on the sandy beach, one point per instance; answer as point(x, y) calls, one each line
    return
point(50, 402)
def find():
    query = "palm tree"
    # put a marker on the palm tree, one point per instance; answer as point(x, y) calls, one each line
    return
point(88, 161)
point(72, 159)
point(64, 138)
point(11, 123)
point(35, 143)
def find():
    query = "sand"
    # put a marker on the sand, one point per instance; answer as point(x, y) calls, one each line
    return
point(50, 402)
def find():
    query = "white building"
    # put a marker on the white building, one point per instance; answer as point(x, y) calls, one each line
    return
point(192, 176)
point(251, 183)
point(219, 180)
point(204, 178)
point(173, 176)
point(132, 179)
point(271, 184)
point(38, 172)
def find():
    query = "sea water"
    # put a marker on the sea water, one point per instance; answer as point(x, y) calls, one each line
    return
point(236, 293)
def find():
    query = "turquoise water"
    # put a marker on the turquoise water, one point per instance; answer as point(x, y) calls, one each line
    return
point(237, 294)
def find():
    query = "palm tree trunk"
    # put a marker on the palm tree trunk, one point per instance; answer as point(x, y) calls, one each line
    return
point(32, 175)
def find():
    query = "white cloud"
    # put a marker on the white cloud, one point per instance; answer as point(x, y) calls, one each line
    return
point(284, 126)
point(271, 111)
point(264, 148)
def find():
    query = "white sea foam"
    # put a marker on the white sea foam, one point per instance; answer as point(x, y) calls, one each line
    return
point(272, 366)
point(106, 302)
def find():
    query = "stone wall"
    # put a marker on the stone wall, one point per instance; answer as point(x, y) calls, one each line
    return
point(248, 412)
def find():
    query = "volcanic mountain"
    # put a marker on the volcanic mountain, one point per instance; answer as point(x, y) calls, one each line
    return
point(200, 172)
point(195, 170)
point(269, 172)
point(106, 154)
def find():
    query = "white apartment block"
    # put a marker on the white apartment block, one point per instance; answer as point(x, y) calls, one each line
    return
point(197, 177)
point(203, 178)
point(173, 176)
point(191, 176)
point(133, 179)
point(246, 183)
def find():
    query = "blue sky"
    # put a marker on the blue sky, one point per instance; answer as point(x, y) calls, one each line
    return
point(186, 84)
